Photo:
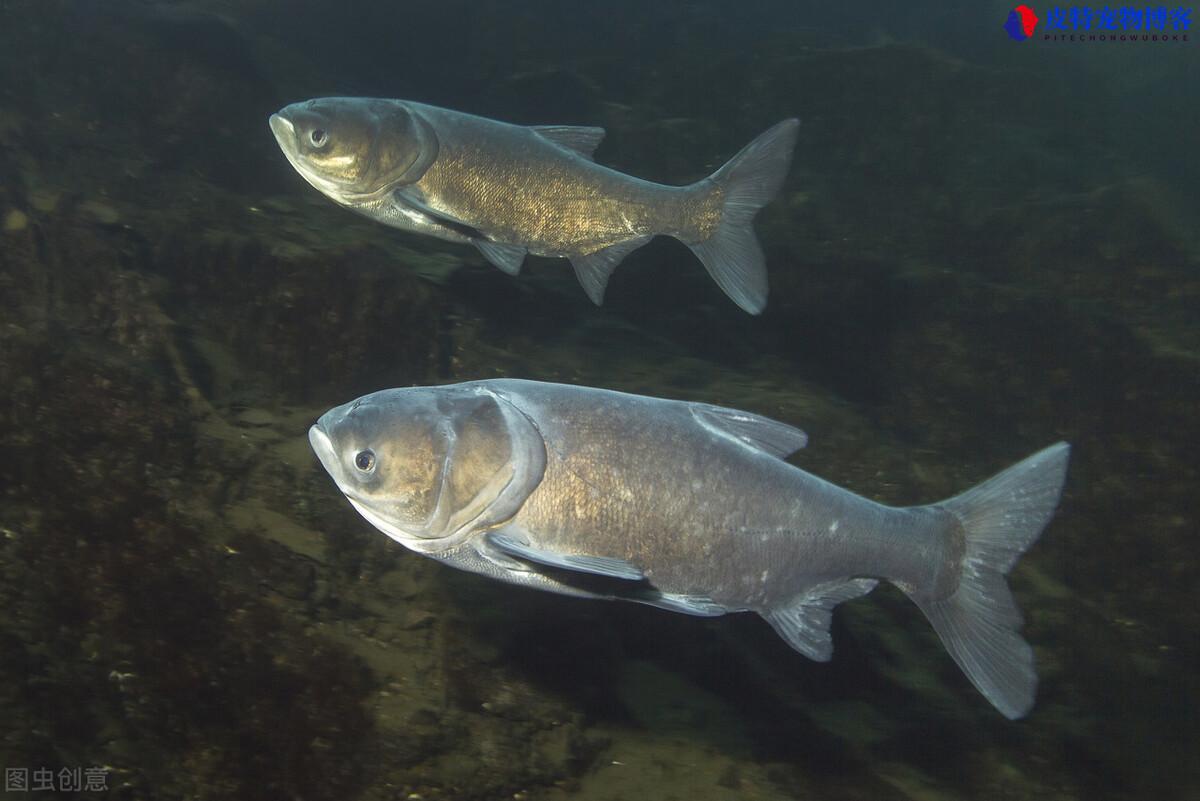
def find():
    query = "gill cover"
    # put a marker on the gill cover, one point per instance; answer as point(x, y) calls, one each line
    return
point(487, 457)
point(405, 146)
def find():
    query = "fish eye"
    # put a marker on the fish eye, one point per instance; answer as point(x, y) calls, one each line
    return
point(365, 460)
point(319, 137)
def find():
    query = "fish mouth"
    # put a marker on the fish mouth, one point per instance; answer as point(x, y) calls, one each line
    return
point(323, 448)
point(285, 132)
point(285, 136)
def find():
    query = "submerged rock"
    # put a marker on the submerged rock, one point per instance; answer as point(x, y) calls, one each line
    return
point(15, 220)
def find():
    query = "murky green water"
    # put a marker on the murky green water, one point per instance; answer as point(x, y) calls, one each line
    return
point(983, 246)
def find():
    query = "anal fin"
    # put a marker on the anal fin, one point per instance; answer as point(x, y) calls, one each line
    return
point(594, 269)
point(804, 621)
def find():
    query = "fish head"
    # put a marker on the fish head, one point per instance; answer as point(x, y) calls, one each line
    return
point(355, 149)
point(431, 466)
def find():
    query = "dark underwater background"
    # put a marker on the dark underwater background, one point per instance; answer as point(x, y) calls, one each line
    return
point(983, 247)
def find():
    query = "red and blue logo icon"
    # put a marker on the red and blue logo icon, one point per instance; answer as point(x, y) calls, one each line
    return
point(1105, 24)
point(1021, 22)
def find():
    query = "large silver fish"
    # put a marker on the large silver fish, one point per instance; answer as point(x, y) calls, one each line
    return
point(511, 189)
point(684, 506)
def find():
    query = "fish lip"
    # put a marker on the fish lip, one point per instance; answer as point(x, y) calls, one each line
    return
point(323, 448)
point(284, 130)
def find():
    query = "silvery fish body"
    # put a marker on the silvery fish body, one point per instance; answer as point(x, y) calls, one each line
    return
point(684, 506)
point(512, 189)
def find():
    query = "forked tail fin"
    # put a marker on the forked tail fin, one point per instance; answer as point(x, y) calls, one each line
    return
point(749, 181)
point(979, 622)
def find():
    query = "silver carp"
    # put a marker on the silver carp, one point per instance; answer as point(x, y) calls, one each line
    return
point(512, 189)
point(687, 507)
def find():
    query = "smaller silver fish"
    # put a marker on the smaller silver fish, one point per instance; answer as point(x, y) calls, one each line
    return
point(687, 507)
point(512, 189)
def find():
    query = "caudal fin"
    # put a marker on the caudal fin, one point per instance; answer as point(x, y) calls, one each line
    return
point(979, 622)
point(749, 181)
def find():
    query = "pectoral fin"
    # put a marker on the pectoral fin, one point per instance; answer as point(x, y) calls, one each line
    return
point(579, 139)
point(507, 257)
point(499, 557)
point(410, 202)
point(598, 565)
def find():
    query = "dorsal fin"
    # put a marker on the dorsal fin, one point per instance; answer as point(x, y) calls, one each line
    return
point(751, 430)
point(580, 139)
